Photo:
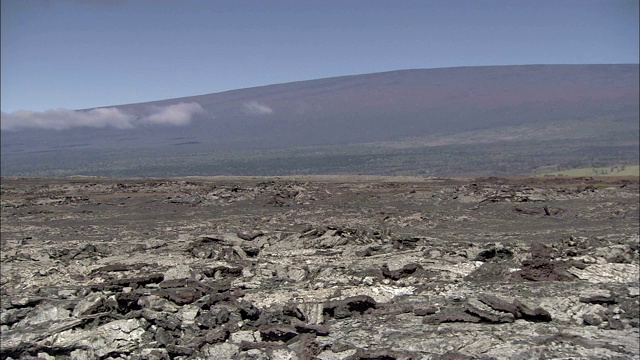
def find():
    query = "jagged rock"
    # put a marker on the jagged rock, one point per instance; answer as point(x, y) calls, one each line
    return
point(474, 308)
point(216, 335)
point(47, 312)
point(278, 333)
point(175, 350)
point(426, 310)
point(157, 303)
point(293, 311)
point(222, 272)
point(494, 254)
point(161, 319)
point(88, 304)
point(180, 296)
point(248, 311)
point(249, 235)
point(499, 304)
point(539, 269)
point(118, 268)
point(346, 307)
point(154, 354)
point(16, 341)
point(119, 336)
point(313, 312)
point(598, 297)
point(164, 337)
point(82, 354)
point(537, 314)
point(12, 316)
point(302, 327)
point(592, 319)
point(448, 315)
point(221, 351)
point(405, 271)
point(137, 281)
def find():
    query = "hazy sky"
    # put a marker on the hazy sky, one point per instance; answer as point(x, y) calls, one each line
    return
point(76, 54)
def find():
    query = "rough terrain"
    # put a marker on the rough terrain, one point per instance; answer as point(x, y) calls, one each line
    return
point(320, 268)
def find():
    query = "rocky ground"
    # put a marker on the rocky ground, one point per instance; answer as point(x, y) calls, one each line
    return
point(320, 268)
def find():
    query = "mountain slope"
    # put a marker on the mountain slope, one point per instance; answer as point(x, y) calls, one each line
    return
point(563, 100)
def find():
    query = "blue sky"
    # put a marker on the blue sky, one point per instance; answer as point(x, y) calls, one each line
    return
point(77, 54)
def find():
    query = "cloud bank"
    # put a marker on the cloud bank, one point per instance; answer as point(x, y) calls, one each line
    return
point(60, 119)
point(256, 108)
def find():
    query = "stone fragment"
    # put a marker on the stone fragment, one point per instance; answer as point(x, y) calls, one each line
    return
point(543, 269)
point(302, 327)
point(12, 316)
point(44, 313)
point(88, 304)
point(293, 311)
point(248, 311)
point(598, 297)
point(494, 254)
point(405, 271)
point(175, 350)
point(249, 235)
point(474, 308)
point(222, 272)
point(278, 333)
point(154, 302)
point(499, 304)
point(137, 281)
point(313, 312)
point(537, 314)
point(154, 354)
point(216, 335)
point(451, 315)
point(425, 310)
point(224, 350)
point(119, 336)
point(346, 307)
point(164, 337)
point(592, 319)
point(180, 296)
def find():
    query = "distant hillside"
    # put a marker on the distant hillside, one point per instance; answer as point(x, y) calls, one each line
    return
point(590, 105)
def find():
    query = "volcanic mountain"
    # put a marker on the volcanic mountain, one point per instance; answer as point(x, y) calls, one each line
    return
point(595, 104)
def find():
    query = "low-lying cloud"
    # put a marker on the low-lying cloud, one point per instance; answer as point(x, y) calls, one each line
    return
point(256, 108)
point(177, 115)
point(61, 119)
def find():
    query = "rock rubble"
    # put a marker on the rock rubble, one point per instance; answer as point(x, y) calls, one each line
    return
point(286, 268)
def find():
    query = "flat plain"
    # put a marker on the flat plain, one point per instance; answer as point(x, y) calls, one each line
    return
point(320, 267)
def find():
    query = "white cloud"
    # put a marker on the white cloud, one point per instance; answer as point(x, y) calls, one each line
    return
point(177, 115)
point(256, 108)
point(60, 119)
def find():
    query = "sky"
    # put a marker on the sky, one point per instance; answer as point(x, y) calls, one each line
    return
point(63, 55)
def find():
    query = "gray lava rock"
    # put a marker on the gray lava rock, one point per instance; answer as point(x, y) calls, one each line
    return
point(346, 307)
point(249, 235)
point(278, 333)
point(474, 308)
point(499, 304)
point(537, 314)
point(603, 297)
point(423, 311)
point(451, 315)
point(405, 271)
